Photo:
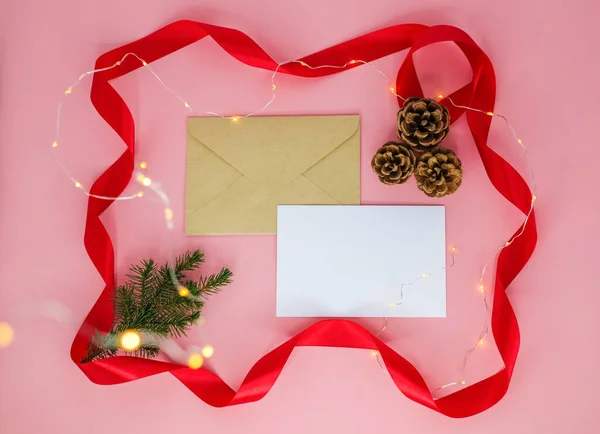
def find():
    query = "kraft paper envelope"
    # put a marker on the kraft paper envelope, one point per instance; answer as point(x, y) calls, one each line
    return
point(239, 171)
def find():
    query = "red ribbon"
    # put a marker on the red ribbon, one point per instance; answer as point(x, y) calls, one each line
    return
point(478, 93)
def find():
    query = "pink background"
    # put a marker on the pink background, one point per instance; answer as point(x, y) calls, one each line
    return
point(545, 54)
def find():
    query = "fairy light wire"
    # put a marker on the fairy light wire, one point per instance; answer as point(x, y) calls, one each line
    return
point(155, 187)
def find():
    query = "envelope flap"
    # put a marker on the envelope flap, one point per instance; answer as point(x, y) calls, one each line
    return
point(273, 149)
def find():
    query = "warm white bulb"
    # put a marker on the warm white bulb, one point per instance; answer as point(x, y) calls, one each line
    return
point(208, 351)
point(424, 275)
point(146, 181)
point(235, 118)
point(130, 340)
point(168, 214)
point(143, 165)
point(195, 361)
point(140, 194)
point(6, 334)
point(55, 144)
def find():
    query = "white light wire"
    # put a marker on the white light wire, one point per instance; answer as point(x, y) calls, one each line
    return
point(169, 213)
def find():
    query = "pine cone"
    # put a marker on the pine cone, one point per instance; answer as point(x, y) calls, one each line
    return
point(423, 123)
point(393, 163)
point(438, 172)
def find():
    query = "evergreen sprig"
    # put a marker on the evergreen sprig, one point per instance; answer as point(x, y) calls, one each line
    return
point(151, 304)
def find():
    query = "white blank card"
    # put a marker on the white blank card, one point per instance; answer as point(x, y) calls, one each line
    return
point(351, 260)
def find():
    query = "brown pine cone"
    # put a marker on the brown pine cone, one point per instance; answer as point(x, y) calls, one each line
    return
point(393, 163)
point(423, 123)
point(438, 172)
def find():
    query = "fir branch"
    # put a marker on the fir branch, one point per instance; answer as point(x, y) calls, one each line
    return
point(150, 303)
point(213, 283)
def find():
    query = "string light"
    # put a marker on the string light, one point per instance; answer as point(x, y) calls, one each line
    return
point(148, 183)
point(184, 292)
point(78, 185)
point(424, 275)
point(143, 165)
point(208, 351)
point(6, 334)
point(481, 288)
point(195, 361)
point(130, 340)
point(168, 214)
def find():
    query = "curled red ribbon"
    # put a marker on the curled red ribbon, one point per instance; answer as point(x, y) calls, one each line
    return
point(478, 93)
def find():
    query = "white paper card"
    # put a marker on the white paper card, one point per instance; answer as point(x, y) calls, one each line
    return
point(350, 261)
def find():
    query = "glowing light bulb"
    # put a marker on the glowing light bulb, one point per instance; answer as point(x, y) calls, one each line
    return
point(6, 334)
point(480, 342)
point(440, 96)
point(392, 89)
point(208, 351)
point(463, 382)
point(352, 62)
point(273, 87)
point(146, 181)
point(68, 91)
point(375, 352)
point(55, 144)
point(184, 292)
point(303, 63)
point(130, 340)
point(507, 244)
point(139, 193)
point(168, 214)
point(195, 361)
point(77, 184)
point(424, 275)
point(481, 288)
point(520, 141)
point(454, 249)
point(143, 165)
point(235, 118)
point(185, 103)
point(490, 113)
point(144, 63)
point(533, 198)
point(118, 62)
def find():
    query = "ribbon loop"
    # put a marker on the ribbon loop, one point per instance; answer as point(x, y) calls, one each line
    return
point(479, 93)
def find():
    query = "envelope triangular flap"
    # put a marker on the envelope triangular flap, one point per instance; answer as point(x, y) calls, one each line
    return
point(273, 149)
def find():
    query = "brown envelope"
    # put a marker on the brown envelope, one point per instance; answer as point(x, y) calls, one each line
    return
point(239, 171)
